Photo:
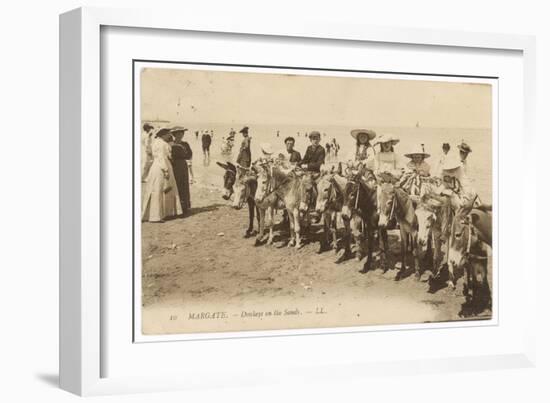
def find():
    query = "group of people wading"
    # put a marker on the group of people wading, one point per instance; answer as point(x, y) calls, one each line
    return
point(439, 215)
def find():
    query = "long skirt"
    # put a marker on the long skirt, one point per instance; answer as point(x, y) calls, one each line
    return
point(181, 173)
point(158, 202)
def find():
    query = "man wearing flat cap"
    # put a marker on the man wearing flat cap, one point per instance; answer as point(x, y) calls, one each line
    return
point(244, 158)
point(315, 154)
point(311, 163)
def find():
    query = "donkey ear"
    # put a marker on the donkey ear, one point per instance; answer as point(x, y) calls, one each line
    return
point(339, 171)
point(231, 166)
point(475, 218)
point(224, 166)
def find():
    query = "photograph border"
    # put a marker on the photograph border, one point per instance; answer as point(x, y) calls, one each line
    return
point(464, 322)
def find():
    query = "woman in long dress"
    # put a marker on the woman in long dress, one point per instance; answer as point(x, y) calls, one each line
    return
point(146, 155)
point(161, 199)
point(181, 161)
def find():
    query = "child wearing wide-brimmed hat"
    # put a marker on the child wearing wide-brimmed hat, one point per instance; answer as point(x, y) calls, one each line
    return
point(417, 164)
point(364, 150)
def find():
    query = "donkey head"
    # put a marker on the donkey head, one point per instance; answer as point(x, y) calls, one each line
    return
point(229, 178)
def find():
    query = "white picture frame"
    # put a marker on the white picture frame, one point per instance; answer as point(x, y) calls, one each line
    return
point(82, 306)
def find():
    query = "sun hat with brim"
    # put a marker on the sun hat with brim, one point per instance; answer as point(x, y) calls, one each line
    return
point(370, 133)
point(266, 148)
point(244, 130)
point(464, 147)
point(451, 163)
point(419, 150)
point(162, 132)
point(387, 138)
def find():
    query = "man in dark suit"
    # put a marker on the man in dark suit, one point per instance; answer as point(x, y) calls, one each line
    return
point(244, 158)
point(315, 154)
point(311, 163)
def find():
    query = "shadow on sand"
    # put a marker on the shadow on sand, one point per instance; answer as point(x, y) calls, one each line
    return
point(198, 210)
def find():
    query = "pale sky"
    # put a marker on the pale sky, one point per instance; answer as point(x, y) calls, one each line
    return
point(195, 96)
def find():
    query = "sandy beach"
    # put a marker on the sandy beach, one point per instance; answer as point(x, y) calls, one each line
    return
point(201, 264)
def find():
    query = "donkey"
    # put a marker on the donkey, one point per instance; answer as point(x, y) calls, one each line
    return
point(267, 202)
point(360, 209)
point(287, 187)
point(242, 182)
point(395, 202)
point(468, 248)
point(430, 216)
point(328, 204)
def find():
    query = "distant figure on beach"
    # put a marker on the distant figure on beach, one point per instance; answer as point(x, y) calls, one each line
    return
point(328, 148)
point(277, 133)
point(445, 151)
point(206, 141)
point(335, 148)
point(244, 158)
point(196, 134)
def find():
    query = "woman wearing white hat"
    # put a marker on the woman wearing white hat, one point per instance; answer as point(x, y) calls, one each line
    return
point(456, 184)
point(386, 160)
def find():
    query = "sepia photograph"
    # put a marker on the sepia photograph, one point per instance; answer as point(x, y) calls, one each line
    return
point(275, 199)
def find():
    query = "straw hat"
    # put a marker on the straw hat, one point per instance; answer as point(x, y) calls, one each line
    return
point(244, 130)
point(266, 148)
point(387, 138)
point(178, 129)
point(370, 133)
point(464, 147)
point(418, 150)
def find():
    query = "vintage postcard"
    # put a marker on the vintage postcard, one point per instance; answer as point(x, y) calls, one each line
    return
point(270, 199)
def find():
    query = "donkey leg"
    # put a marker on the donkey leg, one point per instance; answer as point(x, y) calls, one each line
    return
point(383, 238)
point(357, 234)
point(297, 229)
point(451, 280)
point(261, 225)
point(404, 248)
point(324, 241)
point(370, 245)
point(334, 232)
point(250, 230)
point(269, 221)
point(416, 255)
point(292, 241)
